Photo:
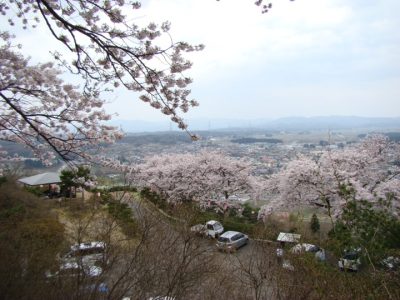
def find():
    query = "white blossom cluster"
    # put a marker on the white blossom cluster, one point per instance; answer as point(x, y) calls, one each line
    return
point(368, 171)
point(194, 177)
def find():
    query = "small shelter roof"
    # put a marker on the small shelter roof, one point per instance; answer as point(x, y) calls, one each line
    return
point(288, 237)
point(44, 178)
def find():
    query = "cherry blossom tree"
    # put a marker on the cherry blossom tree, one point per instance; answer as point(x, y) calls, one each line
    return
point(100, 45)
point(331, 178)
point(110, 51)
point(197, 177)
point(58, 119)
point(39, 110)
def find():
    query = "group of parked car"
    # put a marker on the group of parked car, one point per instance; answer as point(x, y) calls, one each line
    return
point(300, 248)
point(83, 259)
point(350, 260)
point(226, 241)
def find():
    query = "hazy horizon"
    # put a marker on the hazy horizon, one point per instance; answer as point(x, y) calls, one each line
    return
point(307, 123)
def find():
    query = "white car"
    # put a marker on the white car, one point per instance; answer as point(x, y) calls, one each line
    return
point(211, 229)
point(311, 248)
point(350, 261)
point(86, 253)
point(69, 270)
point(299, 249)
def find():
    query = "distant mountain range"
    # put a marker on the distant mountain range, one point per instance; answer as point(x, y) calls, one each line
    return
point(333, 122)
point(290, 123)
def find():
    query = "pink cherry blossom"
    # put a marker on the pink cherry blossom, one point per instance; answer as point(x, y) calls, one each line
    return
point(330, 178)
point(45, 114)
point(109, 50)
point(196, 177)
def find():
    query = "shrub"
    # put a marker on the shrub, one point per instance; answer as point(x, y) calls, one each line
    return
point(238, 225)
point(373, 229)
point(122, 188)
point(37, 191)
point(314, 224)
point(250, 213)
point(154, 198)
point(123, 214)
point(105, 197)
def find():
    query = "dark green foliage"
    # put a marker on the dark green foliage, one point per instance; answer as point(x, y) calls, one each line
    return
point(105, 197)
point(250, 213)
point(237, 224)
point(68, 177)
point(122, 213)
point(153, 197)
point(13, 212)
point(373, 229)
point(3, 179)
point(122, 188)
point(314, 224)
point(201, 217)
point(35, 190)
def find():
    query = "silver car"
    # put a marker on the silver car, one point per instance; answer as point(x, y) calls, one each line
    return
point(232, 240)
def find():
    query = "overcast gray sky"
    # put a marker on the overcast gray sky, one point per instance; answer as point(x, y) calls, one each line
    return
point(303, 58)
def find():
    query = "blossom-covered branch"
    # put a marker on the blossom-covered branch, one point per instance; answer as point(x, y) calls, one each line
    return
point(265, 6)
point(39, 110)
point(109, 50)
